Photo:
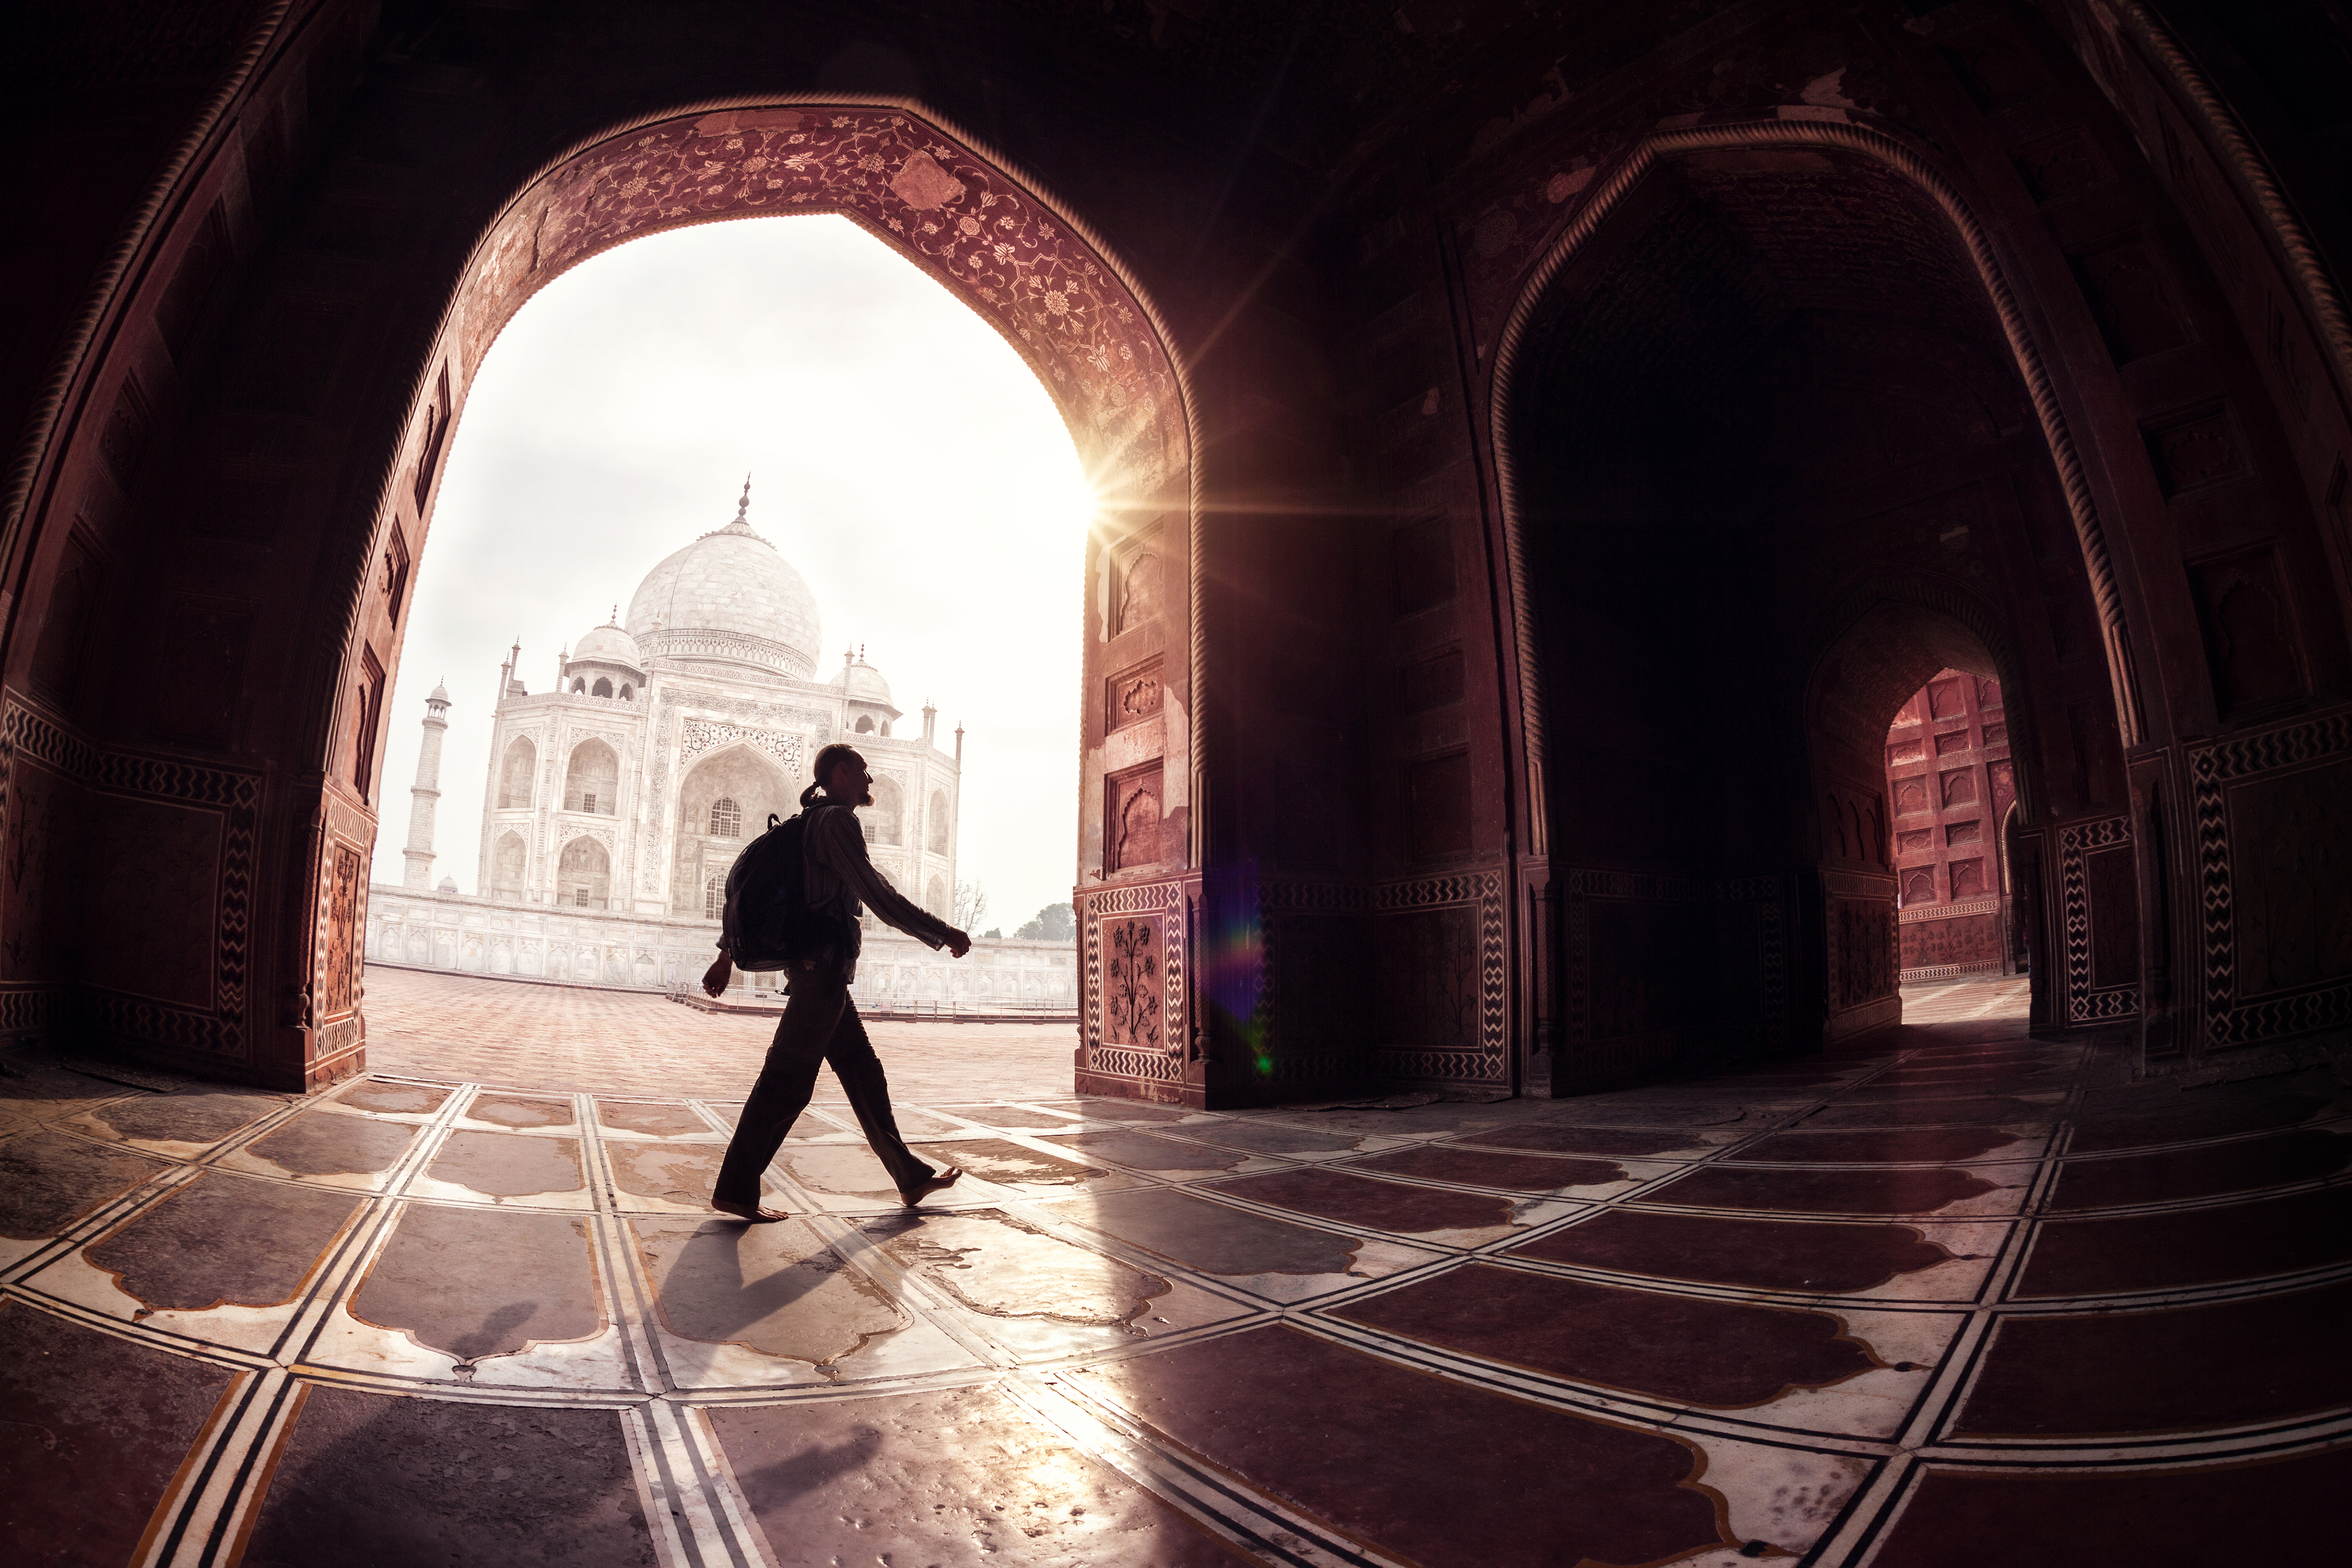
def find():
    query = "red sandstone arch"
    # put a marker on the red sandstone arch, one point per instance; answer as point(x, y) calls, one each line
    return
point(1605, 196)
point(290, 805)
point(983, 231)
point(1953, 250)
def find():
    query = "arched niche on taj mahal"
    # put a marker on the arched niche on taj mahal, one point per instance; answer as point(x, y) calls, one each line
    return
point(723, 802)
point(515, 772)
point(510, 865)
point(887, 814)
point(592, 782)
point(583, 874)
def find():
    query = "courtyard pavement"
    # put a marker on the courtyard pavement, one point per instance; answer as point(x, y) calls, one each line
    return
point(1973, 1298)
point(457, 1028)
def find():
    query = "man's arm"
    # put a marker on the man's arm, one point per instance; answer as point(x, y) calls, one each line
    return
point(841, 845)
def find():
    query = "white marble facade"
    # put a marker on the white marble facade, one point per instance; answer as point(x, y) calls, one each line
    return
point(666, 742)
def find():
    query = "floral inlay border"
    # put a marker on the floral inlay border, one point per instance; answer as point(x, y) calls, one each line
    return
point(963, 220)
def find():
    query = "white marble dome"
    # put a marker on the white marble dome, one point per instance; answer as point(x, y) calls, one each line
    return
point(728, 596)
point(609, 644)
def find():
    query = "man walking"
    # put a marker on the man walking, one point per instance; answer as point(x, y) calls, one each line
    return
point(821, 1022)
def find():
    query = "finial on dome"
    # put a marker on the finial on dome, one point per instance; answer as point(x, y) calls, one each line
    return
point(617, 617)
point(744, 505)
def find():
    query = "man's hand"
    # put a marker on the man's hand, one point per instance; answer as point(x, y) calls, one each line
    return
point(959, 944)
point(714, 979)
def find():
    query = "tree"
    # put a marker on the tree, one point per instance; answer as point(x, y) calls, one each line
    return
point(1055, 922)
point(971, 903)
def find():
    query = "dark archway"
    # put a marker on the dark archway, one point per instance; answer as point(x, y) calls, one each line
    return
point(1775, 450)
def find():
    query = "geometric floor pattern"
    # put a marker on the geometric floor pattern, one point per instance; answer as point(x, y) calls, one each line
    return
point(1974, 1300)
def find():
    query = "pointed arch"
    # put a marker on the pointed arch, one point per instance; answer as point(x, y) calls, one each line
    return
point(509, 867)
point(886, 816)
point(1604, 198)
point(518, 772)
point(583, 874)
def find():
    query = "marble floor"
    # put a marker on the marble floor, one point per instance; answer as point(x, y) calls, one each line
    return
point(1973, 1299)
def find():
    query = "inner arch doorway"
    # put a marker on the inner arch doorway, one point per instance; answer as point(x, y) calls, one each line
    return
point(1775, 444)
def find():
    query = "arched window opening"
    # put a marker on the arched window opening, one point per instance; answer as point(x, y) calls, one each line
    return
point(939, 822)
point(515, 775)
point(603, 688)
point(627, 695)
point(864, 725)
point(578, 684)
point(583, 874)
point(726, 818)
point(714, 895)
point(592, 784)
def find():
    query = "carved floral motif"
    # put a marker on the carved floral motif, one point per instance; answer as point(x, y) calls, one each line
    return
point(701, 735)
point(1131, 983)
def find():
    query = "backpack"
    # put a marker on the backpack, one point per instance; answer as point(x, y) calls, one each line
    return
point(768, 923)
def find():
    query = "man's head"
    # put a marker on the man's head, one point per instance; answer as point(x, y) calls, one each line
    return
point(841, 771)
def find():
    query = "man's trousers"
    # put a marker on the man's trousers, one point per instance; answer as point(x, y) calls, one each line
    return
point(820, 1024)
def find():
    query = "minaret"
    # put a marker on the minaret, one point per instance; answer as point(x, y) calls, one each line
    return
point(425, 792)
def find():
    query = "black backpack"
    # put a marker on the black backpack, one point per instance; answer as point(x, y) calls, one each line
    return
point(768, 923)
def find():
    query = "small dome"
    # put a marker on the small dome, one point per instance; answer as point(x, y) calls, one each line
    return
point(440, 693)
point(608, 644)
point(728, 595)
point(861, 682)
point(448, 885)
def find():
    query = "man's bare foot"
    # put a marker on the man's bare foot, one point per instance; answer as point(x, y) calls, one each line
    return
point(751, 1212)
point(944, 1180)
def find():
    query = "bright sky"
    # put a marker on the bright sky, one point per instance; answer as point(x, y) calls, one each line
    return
point(902, 457)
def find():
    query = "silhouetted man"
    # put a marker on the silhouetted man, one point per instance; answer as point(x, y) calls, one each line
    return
point(821, 1022)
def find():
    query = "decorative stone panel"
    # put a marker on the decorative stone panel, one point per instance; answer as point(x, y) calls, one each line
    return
point(1133, 985)
point(2274, 813)
point(1620, 1023)
point(1444, 993)
point(1315, 983)
point(49, 777)
point(2100, 913)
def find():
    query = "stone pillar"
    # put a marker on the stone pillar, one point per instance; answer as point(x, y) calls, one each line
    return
point(426, 792)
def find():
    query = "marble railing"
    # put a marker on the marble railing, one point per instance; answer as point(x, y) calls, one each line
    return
point(468, 935)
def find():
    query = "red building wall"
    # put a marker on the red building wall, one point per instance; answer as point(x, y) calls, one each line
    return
point(1951, 783)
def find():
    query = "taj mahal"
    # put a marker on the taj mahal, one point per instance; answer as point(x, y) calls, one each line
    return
point(618, 797)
